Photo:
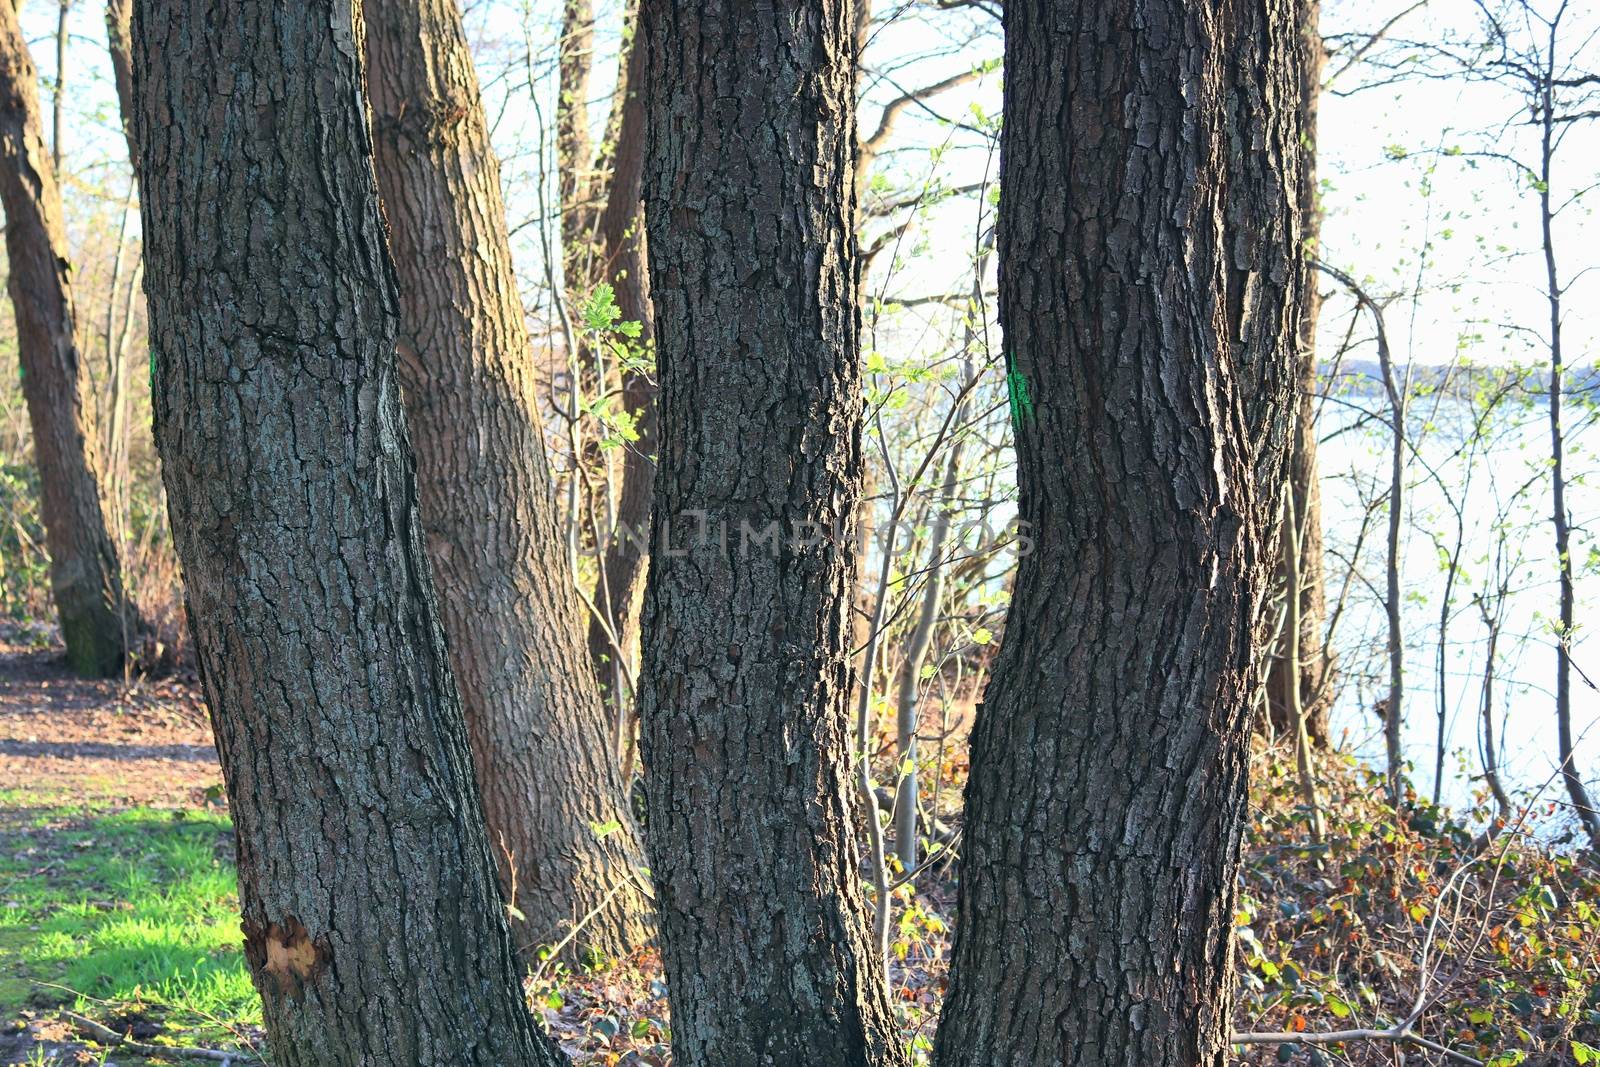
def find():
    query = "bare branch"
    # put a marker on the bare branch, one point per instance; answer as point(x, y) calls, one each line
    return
point(872, 145)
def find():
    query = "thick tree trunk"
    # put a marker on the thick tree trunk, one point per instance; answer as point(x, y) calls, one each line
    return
point(1149, 273)
point(97, 619)
point(622, 238)
point(513, 617)
point(374, 930)
point(1304, 477)
point(746, 679)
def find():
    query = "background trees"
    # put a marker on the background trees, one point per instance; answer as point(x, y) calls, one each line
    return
point(1459, 869)
point(98, 621)
point(373, 927)
point(540, 737)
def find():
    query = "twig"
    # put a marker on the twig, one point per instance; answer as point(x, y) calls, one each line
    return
point(944, 852)
point(556, 949)
point(107, 1036)
point(1402, 1034)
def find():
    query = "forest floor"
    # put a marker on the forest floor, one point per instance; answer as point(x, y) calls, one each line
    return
point(119, 909)
point(118, 903)
point(117, 897)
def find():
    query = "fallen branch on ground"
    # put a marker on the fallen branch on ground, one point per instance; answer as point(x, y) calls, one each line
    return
point(107, 1036)
point(1402, 1034)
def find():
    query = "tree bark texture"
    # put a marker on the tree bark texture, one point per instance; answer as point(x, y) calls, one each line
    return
point(1305, 479)
point(515, 623)
point(97, 618)
point(1149, 276)
point(374, 930)
point(746, 679)
point(622, 238)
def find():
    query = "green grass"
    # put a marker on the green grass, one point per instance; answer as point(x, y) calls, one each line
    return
point(130, 913)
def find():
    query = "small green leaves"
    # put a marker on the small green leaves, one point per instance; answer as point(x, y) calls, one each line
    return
point(600, 312)
point(603, 830)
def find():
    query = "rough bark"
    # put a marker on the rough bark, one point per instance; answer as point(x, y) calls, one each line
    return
point(513, 616)
point(97, 619)
point(622, 239)
point(746, 678)
point(1149, 268)
point(374, 930)
point(1304, 476)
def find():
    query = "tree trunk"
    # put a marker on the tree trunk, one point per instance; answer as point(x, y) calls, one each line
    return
point(119, 42)
point(1304, 478)
point(374, 931)
point(1149, 272)
point(622, 238)
point(908, 700)
point(1560, 520)
point(574, 146)
point(746, 680)
point(537, 725)
point(58, 96)
point(97, 619)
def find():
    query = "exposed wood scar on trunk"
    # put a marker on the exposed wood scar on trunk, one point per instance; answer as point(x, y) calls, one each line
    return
point(287, 951)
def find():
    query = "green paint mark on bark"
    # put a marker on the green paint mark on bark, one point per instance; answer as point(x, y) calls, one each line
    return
point(1021, 399)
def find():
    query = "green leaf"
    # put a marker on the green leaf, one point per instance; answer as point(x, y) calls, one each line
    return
point(1286, 1053)
point(605, 829)
point(600, 311)
point(1340, 1009)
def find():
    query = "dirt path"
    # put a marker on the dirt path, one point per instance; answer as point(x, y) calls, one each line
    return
point(72, 753)
point(100, 744)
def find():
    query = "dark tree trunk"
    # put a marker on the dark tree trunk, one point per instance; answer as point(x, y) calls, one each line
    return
point(1149, 274)
point(515, 623)
point(1304, 477)
point(746, 679)
point(622, 239)
point(374, 930)
point(97, 619)
point(575, 171)
point(119, 42)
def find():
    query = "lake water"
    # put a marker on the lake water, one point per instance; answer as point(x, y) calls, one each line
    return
point(1501, 488)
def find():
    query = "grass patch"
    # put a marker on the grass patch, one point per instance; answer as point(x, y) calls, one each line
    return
point(129, 913)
